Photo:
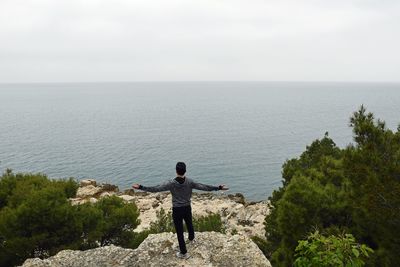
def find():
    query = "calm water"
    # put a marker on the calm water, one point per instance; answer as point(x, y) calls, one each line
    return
point(236, 133)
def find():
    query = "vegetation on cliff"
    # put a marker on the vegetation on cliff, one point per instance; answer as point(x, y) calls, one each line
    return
point(164, 223)
point(38, 220)
point(333, 251)
point(355, 190)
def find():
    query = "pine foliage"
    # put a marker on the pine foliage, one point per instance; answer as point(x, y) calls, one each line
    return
point(355, 190)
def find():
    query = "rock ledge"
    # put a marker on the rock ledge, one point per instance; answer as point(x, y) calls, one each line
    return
point(211, 249)
point(237, 215)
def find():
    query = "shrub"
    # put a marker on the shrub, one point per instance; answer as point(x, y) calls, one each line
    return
point(37, 220)
point(211, 222)
point(164, 223)
point(15, 187)
point(342, 250)
point(118, 220)
point(39, 225)
point(354, 190)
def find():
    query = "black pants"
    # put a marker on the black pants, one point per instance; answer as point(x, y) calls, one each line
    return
point(179, 214)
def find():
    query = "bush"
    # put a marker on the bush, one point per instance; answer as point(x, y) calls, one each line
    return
point(164, 223)
point(354, 190)
point(15, 187)
point(118, 221)
point(342, 250)
point(137, 238)
point(108, 221)
point(211, 222)
point(37, 220)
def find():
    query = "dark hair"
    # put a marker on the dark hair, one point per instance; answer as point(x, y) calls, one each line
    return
point(180, 168)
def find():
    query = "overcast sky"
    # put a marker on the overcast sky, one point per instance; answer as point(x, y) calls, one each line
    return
point(201, 40)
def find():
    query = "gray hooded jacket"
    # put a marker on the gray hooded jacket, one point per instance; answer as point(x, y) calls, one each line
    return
point(181, 192)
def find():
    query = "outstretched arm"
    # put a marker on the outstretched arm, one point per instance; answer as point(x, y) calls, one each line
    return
point(158, 188)
point(206, 187)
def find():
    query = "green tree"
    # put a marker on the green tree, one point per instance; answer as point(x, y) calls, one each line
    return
point(355, 190)
point(41, 225)
point(118, 220)
point(373, 167)
point(37, 220)
point(313, 194)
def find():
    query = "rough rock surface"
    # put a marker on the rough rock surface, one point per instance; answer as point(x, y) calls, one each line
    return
point(87, 182)
point(88, 191)
point(238, 215)
point(211, 249)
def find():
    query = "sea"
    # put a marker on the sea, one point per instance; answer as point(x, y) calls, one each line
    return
point(233, 133)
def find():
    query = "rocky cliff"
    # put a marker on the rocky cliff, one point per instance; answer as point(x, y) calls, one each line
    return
point(211, 249)
point(237, 214)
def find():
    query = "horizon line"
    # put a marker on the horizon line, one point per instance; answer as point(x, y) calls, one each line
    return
point(198, 81)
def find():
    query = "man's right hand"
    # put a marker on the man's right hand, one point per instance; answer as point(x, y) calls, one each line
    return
point(136, 186)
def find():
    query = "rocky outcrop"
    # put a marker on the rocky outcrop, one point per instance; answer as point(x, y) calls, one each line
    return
point(211, 249)
point(87, 182)
point(89, 191)
point(238, 215)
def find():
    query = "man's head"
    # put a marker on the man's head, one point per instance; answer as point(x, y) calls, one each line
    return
point(180, 168)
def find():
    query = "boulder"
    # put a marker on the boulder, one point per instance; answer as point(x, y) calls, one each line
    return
point(87, 182)
point(211, 249)
point(88, 191)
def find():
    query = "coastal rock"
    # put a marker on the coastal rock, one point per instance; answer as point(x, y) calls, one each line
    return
point(87, 182)
point(88, 191)
point(237, 215)
point(211, 249)
point(237, 218)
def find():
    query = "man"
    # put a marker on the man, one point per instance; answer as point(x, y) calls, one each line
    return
point(181, 190)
